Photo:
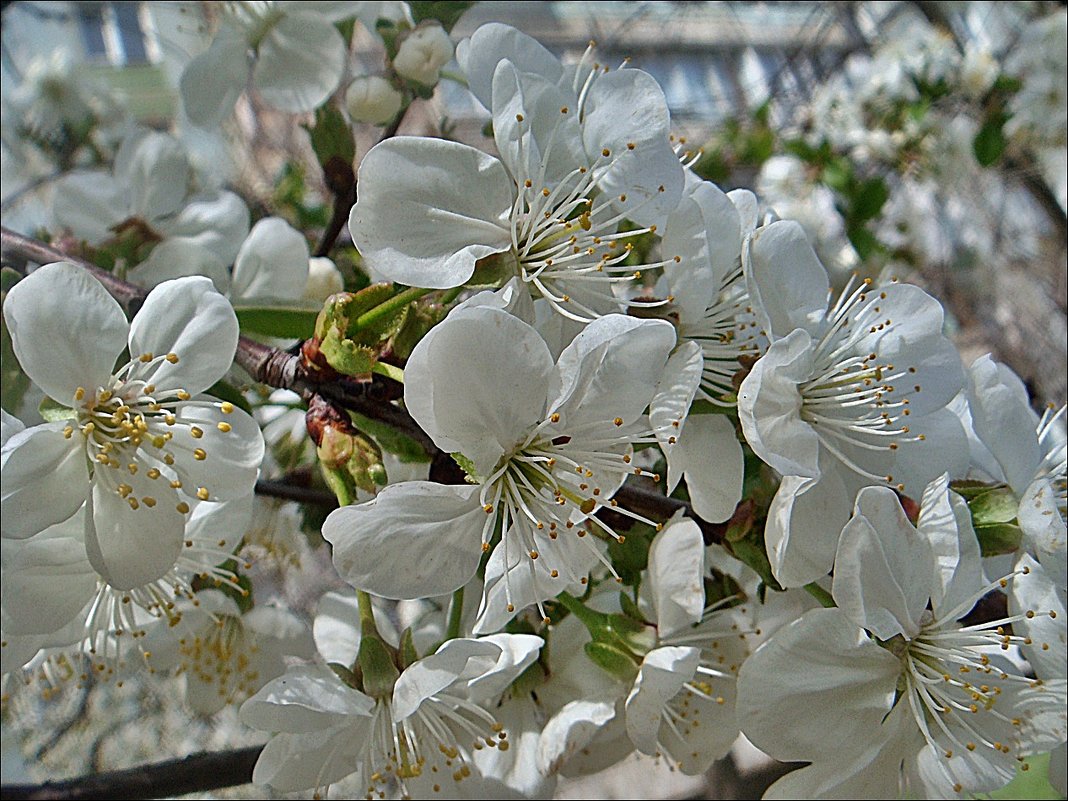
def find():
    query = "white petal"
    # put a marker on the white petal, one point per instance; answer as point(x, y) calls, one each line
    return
point(337, 627)
point(454, 662)
point(676, 574)
point(515, 771)
point(1003, 420)
point(786, 281)
point(47, 582)
point(486, 408)
point(671, 403)
point(479, 55)
point(883, 568)
point(611, 370)
point(660, 678)
point(223, 525)
point(217, 221)
point(748, 208)
point(231, 459)
point(132, 547)
point(429, 209)
point(292, 762)
point(155, 169)
point(189, 318)
point(88, 204)
point(571, 730)
point(824, 675)
point(1043, 526)
point(1048, 628)
point(272, 263)
point(9, 426)
point(179, 258)
point(802, 530)
point(308, 698)
point(299, 63)
point(769, 407)
point(66, 330)
point(45, 479)
point(212, 82)
point(643, 166)
point(945, 521)
point(415, 540)
point(709, 454)
point(518, 651)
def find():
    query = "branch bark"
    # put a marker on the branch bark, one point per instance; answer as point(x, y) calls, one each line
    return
point(192, 774)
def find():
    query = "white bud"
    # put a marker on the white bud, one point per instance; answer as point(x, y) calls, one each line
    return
point(371, 98)
point(324, 279)
point(422, 55)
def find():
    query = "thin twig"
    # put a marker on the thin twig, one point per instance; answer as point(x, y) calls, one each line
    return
point(191, 774)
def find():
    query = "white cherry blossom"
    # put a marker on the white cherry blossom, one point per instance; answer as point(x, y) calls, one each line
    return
point(140, 443)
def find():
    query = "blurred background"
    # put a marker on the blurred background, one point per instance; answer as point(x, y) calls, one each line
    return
point(924, 140)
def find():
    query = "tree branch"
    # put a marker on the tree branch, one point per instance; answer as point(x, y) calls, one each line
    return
point(191, 774)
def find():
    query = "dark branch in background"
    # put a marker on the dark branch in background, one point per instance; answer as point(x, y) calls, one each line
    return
point(342, 182)
point(196, 773)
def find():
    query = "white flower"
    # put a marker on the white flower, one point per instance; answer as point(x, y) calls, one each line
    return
point(888, 693)
point(273, 263)
point(141, 443)
point(55, 596)
point(324, 280)
point(846, 395)
point(371, 98)
point(549, 444)
point(151, 190)
point(292, 50)
point(682, 701)
point(225, 653)
point(576, 161)
point(1032, 455)
point(420, 734)
point(423, 53)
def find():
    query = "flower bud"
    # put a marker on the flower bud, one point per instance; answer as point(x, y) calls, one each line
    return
point(422, 55)
point(324, 280)
point(372, 99)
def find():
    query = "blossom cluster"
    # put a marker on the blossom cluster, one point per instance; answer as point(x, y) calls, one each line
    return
point(689, 490)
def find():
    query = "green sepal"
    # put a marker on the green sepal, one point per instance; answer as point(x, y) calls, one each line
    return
point(53, 412)
point(999, 538)
point(752, 553)
point(349, 460)
point(331, 136)
point(969, 489)
point(613, 660)
point(345, 674)
point(630, 609)
point(377, 668)
point(998, 505)
point(407, 653)
point(990, 142)
point(468, 467)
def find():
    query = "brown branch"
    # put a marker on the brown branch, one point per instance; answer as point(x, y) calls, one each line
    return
point(283, 490)
point(343, 185)
point(191, 774)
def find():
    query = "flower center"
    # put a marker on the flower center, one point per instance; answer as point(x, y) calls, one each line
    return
point(856, 400)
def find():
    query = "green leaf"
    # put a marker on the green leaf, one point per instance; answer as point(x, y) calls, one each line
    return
point(8, 278)
point(285, 321)
point(869, 198)
point(990, 142)
point(331, 136)
point(53, 412)
point(447, 12)
point(998, 538)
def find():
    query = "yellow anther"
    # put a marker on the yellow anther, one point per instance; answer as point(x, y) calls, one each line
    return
point(226, 407)
point(148, 501)
point(79, 394)
point(172, 357)
point(183, 395)
point(196, 432)
point(200, 454)
point(133, 503)
point(618, 421)
point(146, 357)
point(224, 427)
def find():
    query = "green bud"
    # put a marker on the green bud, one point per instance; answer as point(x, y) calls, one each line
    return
point(352, 459)
point(376, 666)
